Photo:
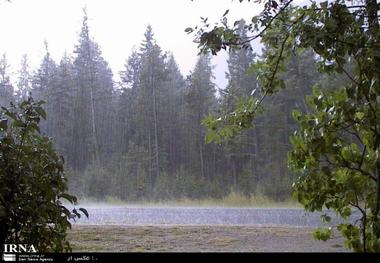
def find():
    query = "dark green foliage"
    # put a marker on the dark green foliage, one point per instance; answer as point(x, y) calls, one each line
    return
point(335, 150)
point(33, 186)
point(336, 147)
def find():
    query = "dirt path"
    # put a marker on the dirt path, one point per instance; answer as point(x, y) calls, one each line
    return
point(198, 239)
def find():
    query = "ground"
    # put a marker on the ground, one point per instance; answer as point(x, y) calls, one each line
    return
point(198, 239)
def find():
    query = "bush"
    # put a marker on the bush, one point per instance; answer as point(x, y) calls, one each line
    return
point(32, 183)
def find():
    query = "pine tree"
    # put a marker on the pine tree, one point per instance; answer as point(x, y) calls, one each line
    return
point(152, 77)
point(6, 88)
point(94, 94)
point(42, 83)
point(24, 82)
point(241, 153)
point(200, 101)
point(276, 125)
point(127, 103)
point(240, 82)
point(171, 115)
point(62, 114)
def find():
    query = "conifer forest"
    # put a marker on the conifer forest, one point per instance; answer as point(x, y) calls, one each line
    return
point(296, 125)
point(142, 138)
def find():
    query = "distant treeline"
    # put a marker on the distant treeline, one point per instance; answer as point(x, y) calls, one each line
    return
point(142, 138)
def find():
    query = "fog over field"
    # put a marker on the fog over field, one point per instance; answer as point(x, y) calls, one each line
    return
point(110, 215)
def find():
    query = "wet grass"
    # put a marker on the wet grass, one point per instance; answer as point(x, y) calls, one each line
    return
point(197, 239)
point(232, 200)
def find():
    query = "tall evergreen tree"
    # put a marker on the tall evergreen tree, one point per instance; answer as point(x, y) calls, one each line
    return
point(171, 114)
point(127, 103)
point(152, 77)
point(62, 114)
point(42, 82)
point(24, 82)
point(242, 152)
point(94, 89)
point(276, 125)
point(6, 88)
point(200, 101)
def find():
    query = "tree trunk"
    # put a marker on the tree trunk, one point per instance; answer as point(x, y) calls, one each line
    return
point(151, 185)
point(93, 127)
point(372, 9)
point(156, 132)
point(92, 102)
point(201, 160)
point(234, 175)
point(157, 156)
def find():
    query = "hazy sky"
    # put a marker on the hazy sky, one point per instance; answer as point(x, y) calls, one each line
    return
point(117, 25)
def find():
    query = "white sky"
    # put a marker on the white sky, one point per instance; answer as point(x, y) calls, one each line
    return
point(116, 25)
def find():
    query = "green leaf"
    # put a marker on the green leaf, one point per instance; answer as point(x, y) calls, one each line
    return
point(346, 213)
point(84, 211)
point(41, 112)
point(76, 213)
point(325, 218)
point(322, 234)
point(346, 153)
point(359, 116)
point(296, 114)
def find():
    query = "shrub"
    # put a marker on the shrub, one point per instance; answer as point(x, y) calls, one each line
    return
point(32, 182)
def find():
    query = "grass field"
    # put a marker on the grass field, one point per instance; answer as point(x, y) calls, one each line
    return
point(198, 239)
